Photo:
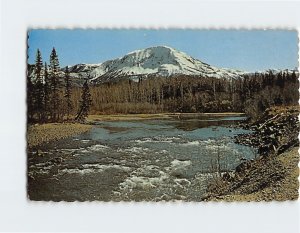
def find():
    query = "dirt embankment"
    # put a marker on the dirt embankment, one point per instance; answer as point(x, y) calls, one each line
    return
point(42, 133)
point(274, 174)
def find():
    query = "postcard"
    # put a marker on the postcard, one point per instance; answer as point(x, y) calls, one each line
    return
point(162, 115)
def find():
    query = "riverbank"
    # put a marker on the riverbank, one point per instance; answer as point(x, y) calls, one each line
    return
point(42, 133)
point(264, 180)
point(128, 117)
point(274, 174)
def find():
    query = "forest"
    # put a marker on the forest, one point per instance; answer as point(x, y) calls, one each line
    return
point(50, 97)
point(251, 94)
point(53, 97)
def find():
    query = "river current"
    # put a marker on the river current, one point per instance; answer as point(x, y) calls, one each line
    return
point(145, 160)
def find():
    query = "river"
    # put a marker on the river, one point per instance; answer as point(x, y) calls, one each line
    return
point(144, 160)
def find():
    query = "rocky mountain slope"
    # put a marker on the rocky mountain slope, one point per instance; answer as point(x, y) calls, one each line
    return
point(156, 61)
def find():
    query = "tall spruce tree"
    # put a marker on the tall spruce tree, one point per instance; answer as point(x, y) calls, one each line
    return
point(46, 93)
point(294, 77)
point(39, 89)
point(67, 94)
point(85, 102)
point(54, 86)
point(30, 100)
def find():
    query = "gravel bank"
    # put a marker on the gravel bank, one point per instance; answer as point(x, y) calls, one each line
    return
point(42, 133)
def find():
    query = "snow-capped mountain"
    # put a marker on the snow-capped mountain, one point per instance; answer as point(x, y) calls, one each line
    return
point(155, 61)
point(275, 71)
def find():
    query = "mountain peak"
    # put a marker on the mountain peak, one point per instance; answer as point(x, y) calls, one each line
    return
point(159, 60)
point(153, 48)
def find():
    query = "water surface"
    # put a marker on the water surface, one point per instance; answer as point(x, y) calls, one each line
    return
point(148, 160)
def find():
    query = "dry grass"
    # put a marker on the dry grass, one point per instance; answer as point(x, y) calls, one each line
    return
point(42, 133)
point(126, 117)
point(283, 109)
point(284, 189)
point(118, 117)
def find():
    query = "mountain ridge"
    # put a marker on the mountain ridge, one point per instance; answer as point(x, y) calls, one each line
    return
point(156, 61)
point(153, 61)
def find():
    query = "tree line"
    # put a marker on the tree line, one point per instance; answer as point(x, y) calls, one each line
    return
point(49, 99)
point(252, 93)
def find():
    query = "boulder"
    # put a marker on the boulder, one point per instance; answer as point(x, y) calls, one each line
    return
point(243, 166)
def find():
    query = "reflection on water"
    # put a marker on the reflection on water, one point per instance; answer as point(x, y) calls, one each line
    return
point(137, 160)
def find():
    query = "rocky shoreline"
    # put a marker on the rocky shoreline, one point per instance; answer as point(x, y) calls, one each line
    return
point(274, 132)
point(273, 175)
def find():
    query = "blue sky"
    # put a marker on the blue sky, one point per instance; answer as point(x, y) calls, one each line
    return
point(248, 50)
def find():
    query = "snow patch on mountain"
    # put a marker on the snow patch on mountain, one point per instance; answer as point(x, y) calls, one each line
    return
point(158, 61)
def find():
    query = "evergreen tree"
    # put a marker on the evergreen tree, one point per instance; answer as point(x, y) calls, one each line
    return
point(67, 94)
point(280, 79)
point(85, 102)
point(294, 77)
point(54, 86)
point(46, 93)
point(39, 89)
point(30, 100)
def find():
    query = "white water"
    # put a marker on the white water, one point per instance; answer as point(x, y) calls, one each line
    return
point(146, 160)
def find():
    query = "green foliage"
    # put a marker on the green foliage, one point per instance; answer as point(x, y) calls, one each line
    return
point(46, 94)
point(38, 90)
point(46, 101)
point(68, 93)
point(30, 100)
point(54, 87)
point(85, 102)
